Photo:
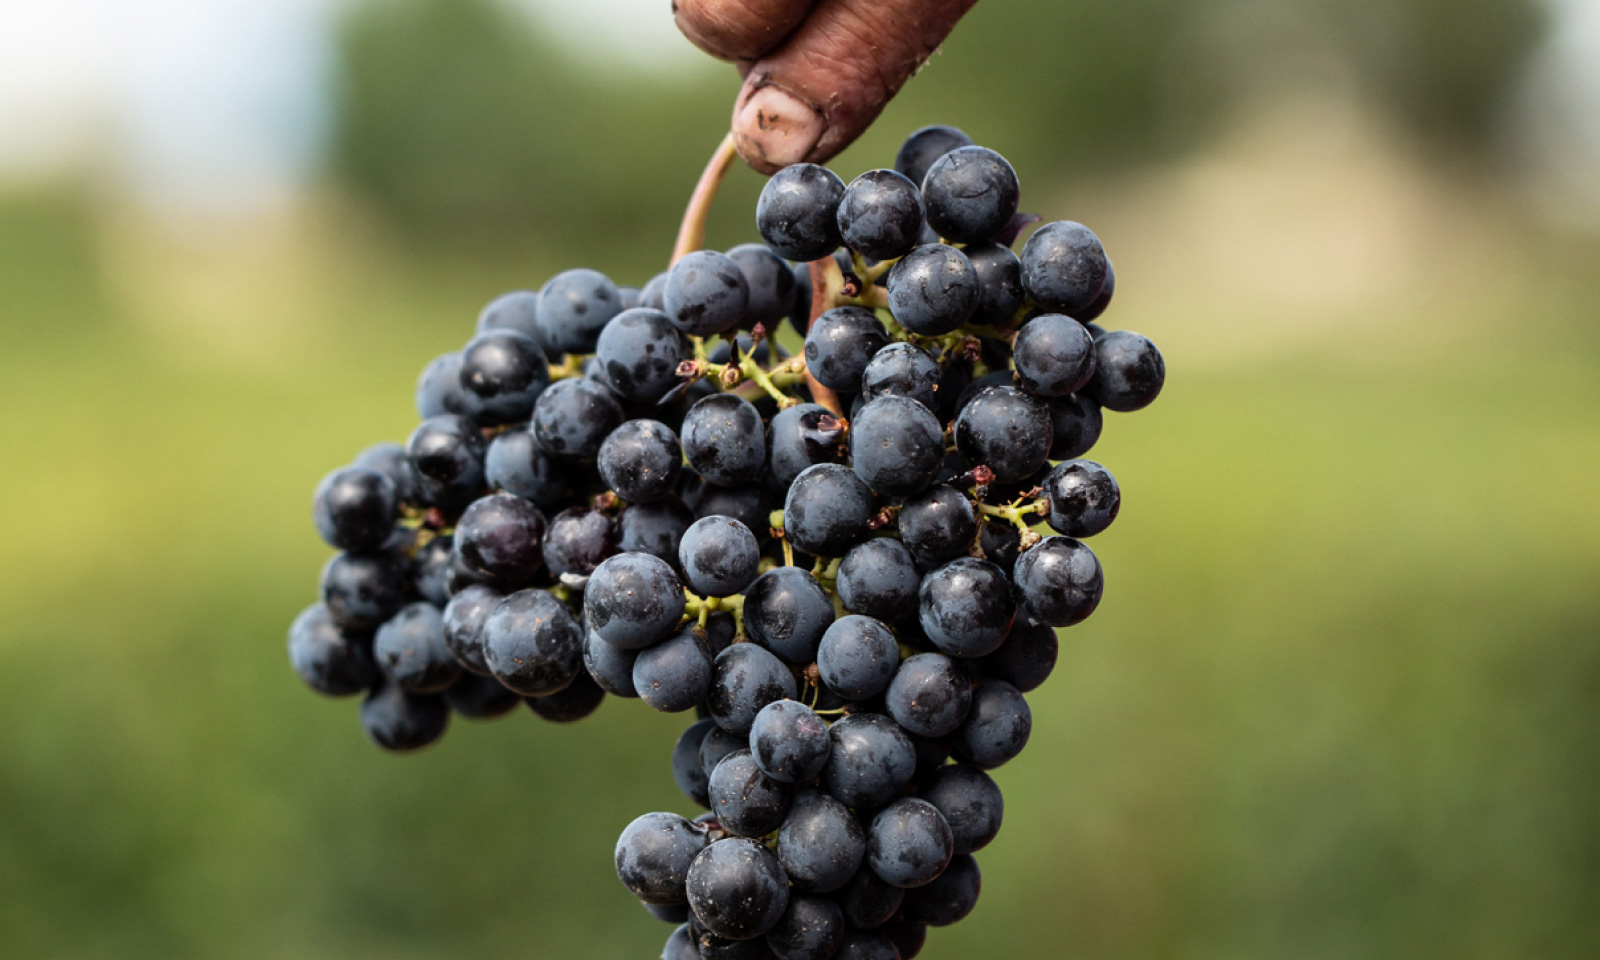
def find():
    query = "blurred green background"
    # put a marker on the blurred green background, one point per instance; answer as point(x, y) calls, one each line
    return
point(1341, 698)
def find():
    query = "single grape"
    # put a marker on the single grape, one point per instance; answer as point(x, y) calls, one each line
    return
point(902, 370)
point(938, 525)
point(362, 592)
point(574, 307)
point(925, 146)
point(655, 528)
point(654, 855)
point(724, 440)
point(573, 417)
point(907, 936)
point(463, 625)
point(948, 898)
point(681, 945)
point(1063, 267)
point(737, 889)
point(609, 665)
point(578, 699)
point(997, 727)
point(716, 745)
point(1054, 355)
point(327, 659)
point(896, 446)
point(745, 678)
point(687, 770)
point(828, 510)
point(410, 648)
point(500, 536)
point(578, 540)
point(1084, 498)
point(639, 352)
point(674, 675)
point(965, 607)
point(970, 194)
point(719, 556)
point(430, 569)
point(811, 929)
point(771, 283)
point(651, 293)
point(447, 453)
point(879, 579)
point(706, 294)
point(908, 843)
point(929, 696)
point(748, 505)
point(871, 759)
point(868, 901)
point(821, 844)
point(801, 436)
point(786, 611)
point(633, 600)
point(1096, 309)
point(514, 464)
point(1076, 422)
point(401, 721)
point(789, 742)
point(1007, 431)
point(797, 214)
point(933, 290)
point(997, 378)
point(641, 460)
point(1027, 657)
point(1059, 581)
point(932, 754)
point(1001, 543)
point(1000, 292)
point(507, 372)
point(532, 644)
point(840, 343)
point(881, 214)
point(970, 803)
point(439, 390)
point(355, 509)
point(480, 698)
point(858, 657)
point(747, 802)
point(517, 311)
point(1129, 372)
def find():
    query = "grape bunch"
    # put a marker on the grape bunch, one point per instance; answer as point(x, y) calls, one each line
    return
point(832, 556)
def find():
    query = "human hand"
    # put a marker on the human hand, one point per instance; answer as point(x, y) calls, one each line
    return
point(816, 72)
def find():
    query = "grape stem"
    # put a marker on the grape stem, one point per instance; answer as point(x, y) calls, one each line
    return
point(692, 231)
point(764, 380)
point(1017, 513)
point(571, 366)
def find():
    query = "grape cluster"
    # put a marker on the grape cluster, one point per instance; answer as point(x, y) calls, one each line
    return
point(830, 556)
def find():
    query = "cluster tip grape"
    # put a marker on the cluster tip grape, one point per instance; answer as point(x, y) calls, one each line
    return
point(833, 557)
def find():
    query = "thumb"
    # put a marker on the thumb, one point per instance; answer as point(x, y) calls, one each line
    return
point(811, 97)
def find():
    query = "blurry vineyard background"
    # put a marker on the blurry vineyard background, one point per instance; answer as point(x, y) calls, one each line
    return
point(1340, 701)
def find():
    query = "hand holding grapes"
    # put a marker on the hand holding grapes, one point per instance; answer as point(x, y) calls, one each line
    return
point(816, 72)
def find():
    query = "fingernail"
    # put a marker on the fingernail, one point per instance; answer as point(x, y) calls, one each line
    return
point(778, 127)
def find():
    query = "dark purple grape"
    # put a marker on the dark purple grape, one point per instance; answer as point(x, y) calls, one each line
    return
point(574, 307)
point(1129, 372)
point(654, 856)
point(439, 390)
point(745, 678)
point(933, 290)
point(801, 436)
point(786, 611)
point(641, 461)
point(400, 721)
point(737, 889)
point(609, 665)
point(719, 556)
point(500, 536)
point(706, 294)
point(447, 453)
point(363, 591)
point(578, 699)
point(879, 579)
point(840, 343)
point(1076, 422)
point(868, 901)
point(1064, 267)
point(1000, 292)
point(674, 675)
point(724, 440)
point(327, 659)
point(970, 803)
point(1001, 543)
point(789, 742)
point(639, 352)
point(1059, 581)
point(997, 727)
point(633, 600)
point(680, 945)
point(463, 625)
point(881, 214)
point(1027, 657)
point(655, 528)
point(896, 446)
point(517, 311)
point(573, 417)
point(970, 194)
point(507, 372)
point(947, 899)
point(1084, 498)
point(748, 505)
point(871, 759)
point(965, 607)
point(577, 541)
point(938, 525)
point(410, 649)
point(828, 510)
point(858, 657)
point(771, 283)
point(925, 146)
point(514, 464)
point(532, 644)
point(355, 509)
point(1007, 431)
point(797, 214)
point(1054, 355)
point(902, 370)
point(651, 293)
point(821, 844)
point(908, 843)
point(430, 569)
point(716, 745)
point(748, 802)
point(811, 929)
point(929, 696)
point(687, 770)
point(480, 698)
point(1094, 310)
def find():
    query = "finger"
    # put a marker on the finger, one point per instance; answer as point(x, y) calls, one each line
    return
point(816, 93)
point(739, 29)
